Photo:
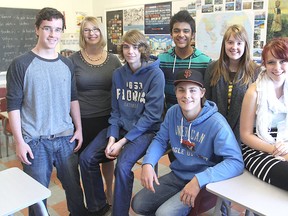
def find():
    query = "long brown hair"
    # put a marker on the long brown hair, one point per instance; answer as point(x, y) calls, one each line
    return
point(246, 66)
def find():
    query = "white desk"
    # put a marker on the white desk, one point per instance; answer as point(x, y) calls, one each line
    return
point(251, 193)
point(18, 190)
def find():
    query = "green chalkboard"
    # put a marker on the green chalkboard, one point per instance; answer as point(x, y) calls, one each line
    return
point(17, 33)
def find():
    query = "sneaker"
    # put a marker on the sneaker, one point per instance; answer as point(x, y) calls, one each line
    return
point(102, 212)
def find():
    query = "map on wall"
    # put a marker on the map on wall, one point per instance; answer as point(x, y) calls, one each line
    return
point(211, 28)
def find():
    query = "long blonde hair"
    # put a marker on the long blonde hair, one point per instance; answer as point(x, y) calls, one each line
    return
point(246, 66)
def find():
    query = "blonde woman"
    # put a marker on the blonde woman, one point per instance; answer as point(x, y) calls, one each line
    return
point(93, 70)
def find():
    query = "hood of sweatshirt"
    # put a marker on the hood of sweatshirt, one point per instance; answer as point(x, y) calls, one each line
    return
point(138, 100)
point(151, 64)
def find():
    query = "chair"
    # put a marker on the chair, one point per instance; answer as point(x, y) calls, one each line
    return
point(5, 120)
point(6, 129)
point(203, 203)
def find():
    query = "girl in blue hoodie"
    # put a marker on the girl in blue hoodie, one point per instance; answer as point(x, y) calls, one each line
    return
point(137, 106)
point(204, 147)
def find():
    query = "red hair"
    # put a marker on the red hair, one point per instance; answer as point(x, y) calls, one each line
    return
point(278, 48)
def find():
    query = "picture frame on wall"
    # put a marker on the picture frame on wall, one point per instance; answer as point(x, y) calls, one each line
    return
point(100, 18)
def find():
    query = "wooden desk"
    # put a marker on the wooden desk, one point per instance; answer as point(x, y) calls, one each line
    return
point(252, 193)
point(6, 130)
point(18, 190)
point(4, 115)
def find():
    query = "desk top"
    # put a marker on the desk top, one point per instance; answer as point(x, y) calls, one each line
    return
point(18, 190)
point(252, 193)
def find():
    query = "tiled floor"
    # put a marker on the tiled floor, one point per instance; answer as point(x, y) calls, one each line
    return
point(56, 203)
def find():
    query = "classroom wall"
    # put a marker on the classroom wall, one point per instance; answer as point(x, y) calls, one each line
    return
point(100, 9)
point(69, 6)
point(211, 16)
point(73, 8)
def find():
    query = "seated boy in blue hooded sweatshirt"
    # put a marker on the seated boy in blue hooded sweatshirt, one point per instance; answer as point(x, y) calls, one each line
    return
point(204, 147)
point(137, 106)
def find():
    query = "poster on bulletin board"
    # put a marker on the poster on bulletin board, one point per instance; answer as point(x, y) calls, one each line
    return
point(114, 21)
point(157, 18)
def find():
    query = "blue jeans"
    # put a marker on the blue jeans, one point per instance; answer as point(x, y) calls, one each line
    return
point(165, 200)
point(57, 152)
point(94, 154)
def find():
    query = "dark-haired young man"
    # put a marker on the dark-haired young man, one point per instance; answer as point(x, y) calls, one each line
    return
point(43, 110)
point(183, 55)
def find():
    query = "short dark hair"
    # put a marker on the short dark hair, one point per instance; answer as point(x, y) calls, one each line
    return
point(183, 16)
point(48, 13)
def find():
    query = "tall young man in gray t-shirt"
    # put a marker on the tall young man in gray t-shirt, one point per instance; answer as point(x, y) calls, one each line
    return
point(42, 107)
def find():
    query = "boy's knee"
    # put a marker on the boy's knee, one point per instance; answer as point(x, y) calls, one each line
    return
point(161, 211)
point(84, 161)
point(137, 205)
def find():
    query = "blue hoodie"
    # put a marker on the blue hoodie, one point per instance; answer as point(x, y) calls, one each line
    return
point(216, 154)
point(137, 100)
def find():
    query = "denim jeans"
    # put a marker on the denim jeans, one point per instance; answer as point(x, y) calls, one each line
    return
point(94, 154)
point(165, 200)
point(57, 152)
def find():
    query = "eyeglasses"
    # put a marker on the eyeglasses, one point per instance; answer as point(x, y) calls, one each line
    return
point(94, 30)
point(49, 29)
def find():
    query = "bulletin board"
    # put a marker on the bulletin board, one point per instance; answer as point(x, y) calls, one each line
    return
point(212, 19)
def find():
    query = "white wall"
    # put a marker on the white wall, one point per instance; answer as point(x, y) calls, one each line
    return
point(69, 6)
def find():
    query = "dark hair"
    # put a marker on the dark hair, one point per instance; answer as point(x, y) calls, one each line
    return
point(48, 14)
point(136, 38)
point(183, 16)
point(278, 48)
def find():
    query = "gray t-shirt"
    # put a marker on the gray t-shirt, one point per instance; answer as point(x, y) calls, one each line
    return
point(42, 89)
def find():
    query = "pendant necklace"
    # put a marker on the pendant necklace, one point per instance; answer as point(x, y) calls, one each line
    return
point(91, 59)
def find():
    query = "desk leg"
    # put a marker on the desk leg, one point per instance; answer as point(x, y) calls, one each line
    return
point(43, 209)
point(7, 145)
point(40, 209)
point(217, 210)
point(6, 136)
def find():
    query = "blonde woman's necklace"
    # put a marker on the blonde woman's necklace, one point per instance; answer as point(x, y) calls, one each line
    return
point(92, 59)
